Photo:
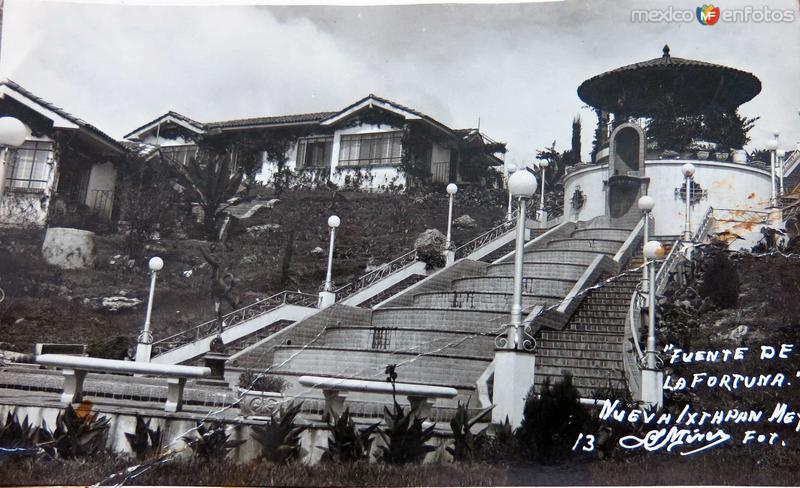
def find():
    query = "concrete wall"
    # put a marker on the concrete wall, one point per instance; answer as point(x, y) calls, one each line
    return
point(728, 185)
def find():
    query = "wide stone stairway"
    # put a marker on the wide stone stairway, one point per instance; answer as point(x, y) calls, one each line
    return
point(442, 330)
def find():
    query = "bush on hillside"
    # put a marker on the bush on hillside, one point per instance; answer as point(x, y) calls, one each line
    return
point(552, 421)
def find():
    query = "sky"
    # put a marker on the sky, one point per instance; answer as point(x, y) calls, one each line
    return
point(514, 67)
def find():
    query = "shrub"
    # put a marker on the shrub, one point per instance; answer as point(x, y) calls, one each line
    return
point(145, 442)
point(347, 443)
point(720, 282)
point(211, 441)
point(77, 434)
point(262, 382)
point(404, 438)
point(22, 437)
point(465, 443)
point(552, 421)
point(280, 438)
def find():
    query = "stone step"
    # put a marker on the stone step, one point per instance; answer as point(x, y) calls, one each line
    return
point(446, 343)
point(554, 352)
point(579, 337)
point(500, 302)
point(571, 271)
point(588, 315)
point(555, 256)
point(370, 365)
point(581, 371)
point(601, 233)
point(605, 246)
point(505, 284)
point(579, 346)
point(439, 319)
point(547, 362)
point(615, 327)
point(591, 321)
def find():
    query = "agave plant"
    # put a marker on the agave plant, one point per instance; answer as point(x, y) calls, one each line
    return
point(211, 442)
point(19, 438)
point(76, 434)
point(280, 438)
point(347, 443)
point(404, 438)
point(465, 443)
point(145, 442)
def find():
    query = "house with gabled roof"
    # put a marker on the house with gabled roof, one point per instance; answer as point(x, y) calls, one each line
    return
point(66, 165)
point(374, 141)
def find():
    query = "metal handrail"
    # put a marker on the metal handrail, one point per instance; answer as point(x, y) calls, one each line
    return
point(376, 275)
point(470, 246)
point(705, 224)
point(232, 319)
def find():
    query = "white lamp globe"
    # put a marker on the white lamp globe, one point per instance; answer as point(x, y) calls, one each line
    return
point(772, 144)
point(653, 250)
point(511, 168)
point(12, 132)
point(522, 184)
point(544, 164)
point(156, 264)
point(452, 188)
point(646, 203)
point(687, 170)
point(334, 221)
point(739, 156)
point(780, 153)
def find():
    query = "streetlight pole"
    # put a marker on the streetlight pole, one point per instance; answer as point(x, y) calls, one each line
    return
point(144, 345)
point(514, 363)
point(688, 172)
point(652, 376)
point(522, 185)
point(449, 253)
point(512, 168)
point(542, 214)
point(327, 297)
point(646, 205)
point(12, 134)
point(772, 146)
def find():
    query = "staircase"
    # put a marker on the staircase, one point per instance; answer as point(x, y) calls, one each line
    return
point(442, 330)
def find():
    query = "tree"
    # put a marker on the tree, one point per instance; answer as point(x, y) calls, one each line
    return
point(576, 140)
point(211, 178)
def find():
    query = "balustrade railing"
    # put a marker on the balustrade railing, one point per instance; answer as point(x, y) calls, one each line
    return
point(440, 171)
point(470, 246)
point(375, 275)
point(232, 319)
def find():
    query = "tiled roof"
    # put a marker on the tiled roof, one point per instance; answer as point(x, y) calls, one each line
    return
point(75, 120)
point(267, 121)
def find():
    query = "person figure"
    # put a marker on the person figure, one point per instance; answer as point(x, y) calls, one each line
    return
point(222, 284)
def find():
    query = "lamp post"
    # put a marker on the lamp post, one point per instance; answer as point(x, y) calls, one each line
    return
point(543, 168)
point(12, 134)
point(521, 185)
point(652, 377)
point(646, 205)
point(144, 345)
point(512, 168)
point(688, 172)
point(327, 297)
point(772, 146)
point(449, 253)
point(780, 154)
point(514, 363)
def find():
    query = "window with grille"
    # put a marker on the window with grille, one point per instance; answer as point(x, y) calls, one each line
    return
point(384, 148)
point(314, 152)
point(381, 339)
point(30, 166)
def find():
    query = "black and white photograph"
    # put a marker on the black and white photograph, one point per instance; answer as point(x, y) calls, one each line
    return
point(399, 243)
